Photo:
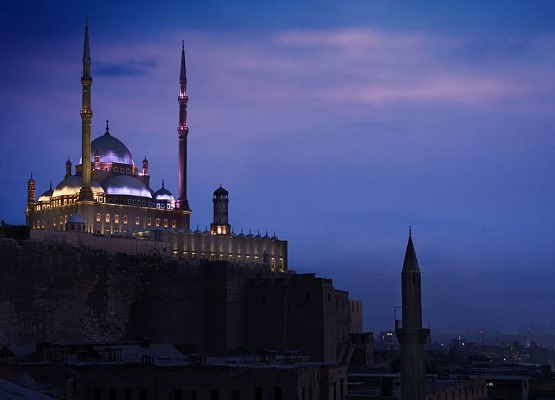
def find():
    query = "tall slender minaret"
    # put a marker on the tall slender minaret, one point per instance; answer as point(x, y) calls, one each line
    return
point(86, 117)
point(409, 331)
point(183, 131)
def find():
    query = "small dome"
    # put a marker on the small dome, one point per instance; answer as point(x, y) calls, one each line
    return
point(274, 237)
point(206, 231)
point(126, 185)
point(198, 230)
point(266, 236)
point(221, 191)
point(241, 234)
point(76, 219)
point(72, 185)
point(250, 235)
point(258, 235)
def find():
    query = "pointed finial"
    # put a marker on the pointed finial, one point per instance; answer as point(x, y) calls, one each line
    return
point(183, 71)
point(107, 128)
point(86, 49)
point(410, 231)
point(162, 181)
point(50, 184)
point(183, 45)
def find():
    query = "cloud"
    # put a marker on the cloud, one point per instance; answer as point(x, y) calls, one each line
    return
point(365, 67)
point(126, 68)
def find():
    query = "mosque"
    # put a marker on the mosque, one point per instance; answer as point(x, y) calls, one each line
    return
point(109, 196)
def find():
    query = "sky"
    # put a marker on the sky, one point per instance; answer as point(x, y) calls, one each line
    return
point(334, 124)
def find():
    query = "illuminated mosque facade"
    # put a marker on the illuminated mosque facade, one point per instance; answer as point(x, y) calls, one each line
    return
point(110, 196)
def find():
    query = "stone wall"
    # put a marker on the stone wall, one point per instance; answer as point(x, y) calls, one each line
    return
point(53, 292)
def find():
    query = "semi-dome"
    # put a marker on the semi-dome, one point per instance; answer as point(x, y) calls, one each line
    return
point(46, 195)
point(72, 185)
point(126, 185)
point(76, 219)
point(163, 194)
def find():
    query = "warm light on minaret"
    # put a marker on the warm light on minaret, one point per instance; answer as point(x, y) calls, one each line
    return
point(182, 132)
point(86, 117)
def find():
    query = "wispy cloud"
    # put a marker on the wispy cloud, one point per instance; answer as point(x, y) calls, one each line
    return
point(369, 67)
point(126, 68)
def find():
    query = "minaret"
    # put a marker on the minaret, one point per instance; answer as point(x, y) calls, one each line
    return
point(86, 117)
point(30, 199)
point(220, 225)
point(182, 131)
point(409, 331)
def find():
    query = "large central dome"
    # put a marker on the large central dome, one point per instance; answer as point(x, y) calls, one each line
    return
point(111, 149)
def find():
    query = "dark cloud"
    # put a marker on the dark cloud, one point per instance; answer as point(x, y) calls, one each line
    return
point(126, 68)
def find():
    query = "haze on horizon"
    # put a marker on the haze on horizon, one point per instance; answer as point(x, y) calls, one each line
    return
point(335, 125)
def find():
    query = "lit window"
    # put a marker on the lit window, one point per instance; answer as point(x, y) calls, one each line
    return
point(137, 220)
point(148, 221)
point(125, 219)
point(230, 258)
point(54, 221)
point(61, 219)
point(157, 221)
point(107, 217)
point(212, 257)
point(221, 257)
point(98, 217)
point(165, 223)
point(173, 223)
point(116, 219)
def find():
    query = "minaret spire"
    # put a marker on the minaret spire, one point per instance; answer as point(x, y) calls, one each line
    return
point(182, 131)
point(86, 117)
point(409, 331)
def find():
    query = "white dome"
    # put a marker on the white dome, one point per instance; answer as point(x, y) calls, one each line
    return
point(126, 185)
point(72, 185)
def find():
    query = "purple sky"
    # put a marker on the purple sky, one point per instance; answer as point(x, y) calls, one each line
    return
point(335, 124)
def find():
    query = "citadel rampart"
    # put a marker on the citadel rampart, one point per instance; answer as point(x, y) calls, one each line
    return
point(53, 292)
